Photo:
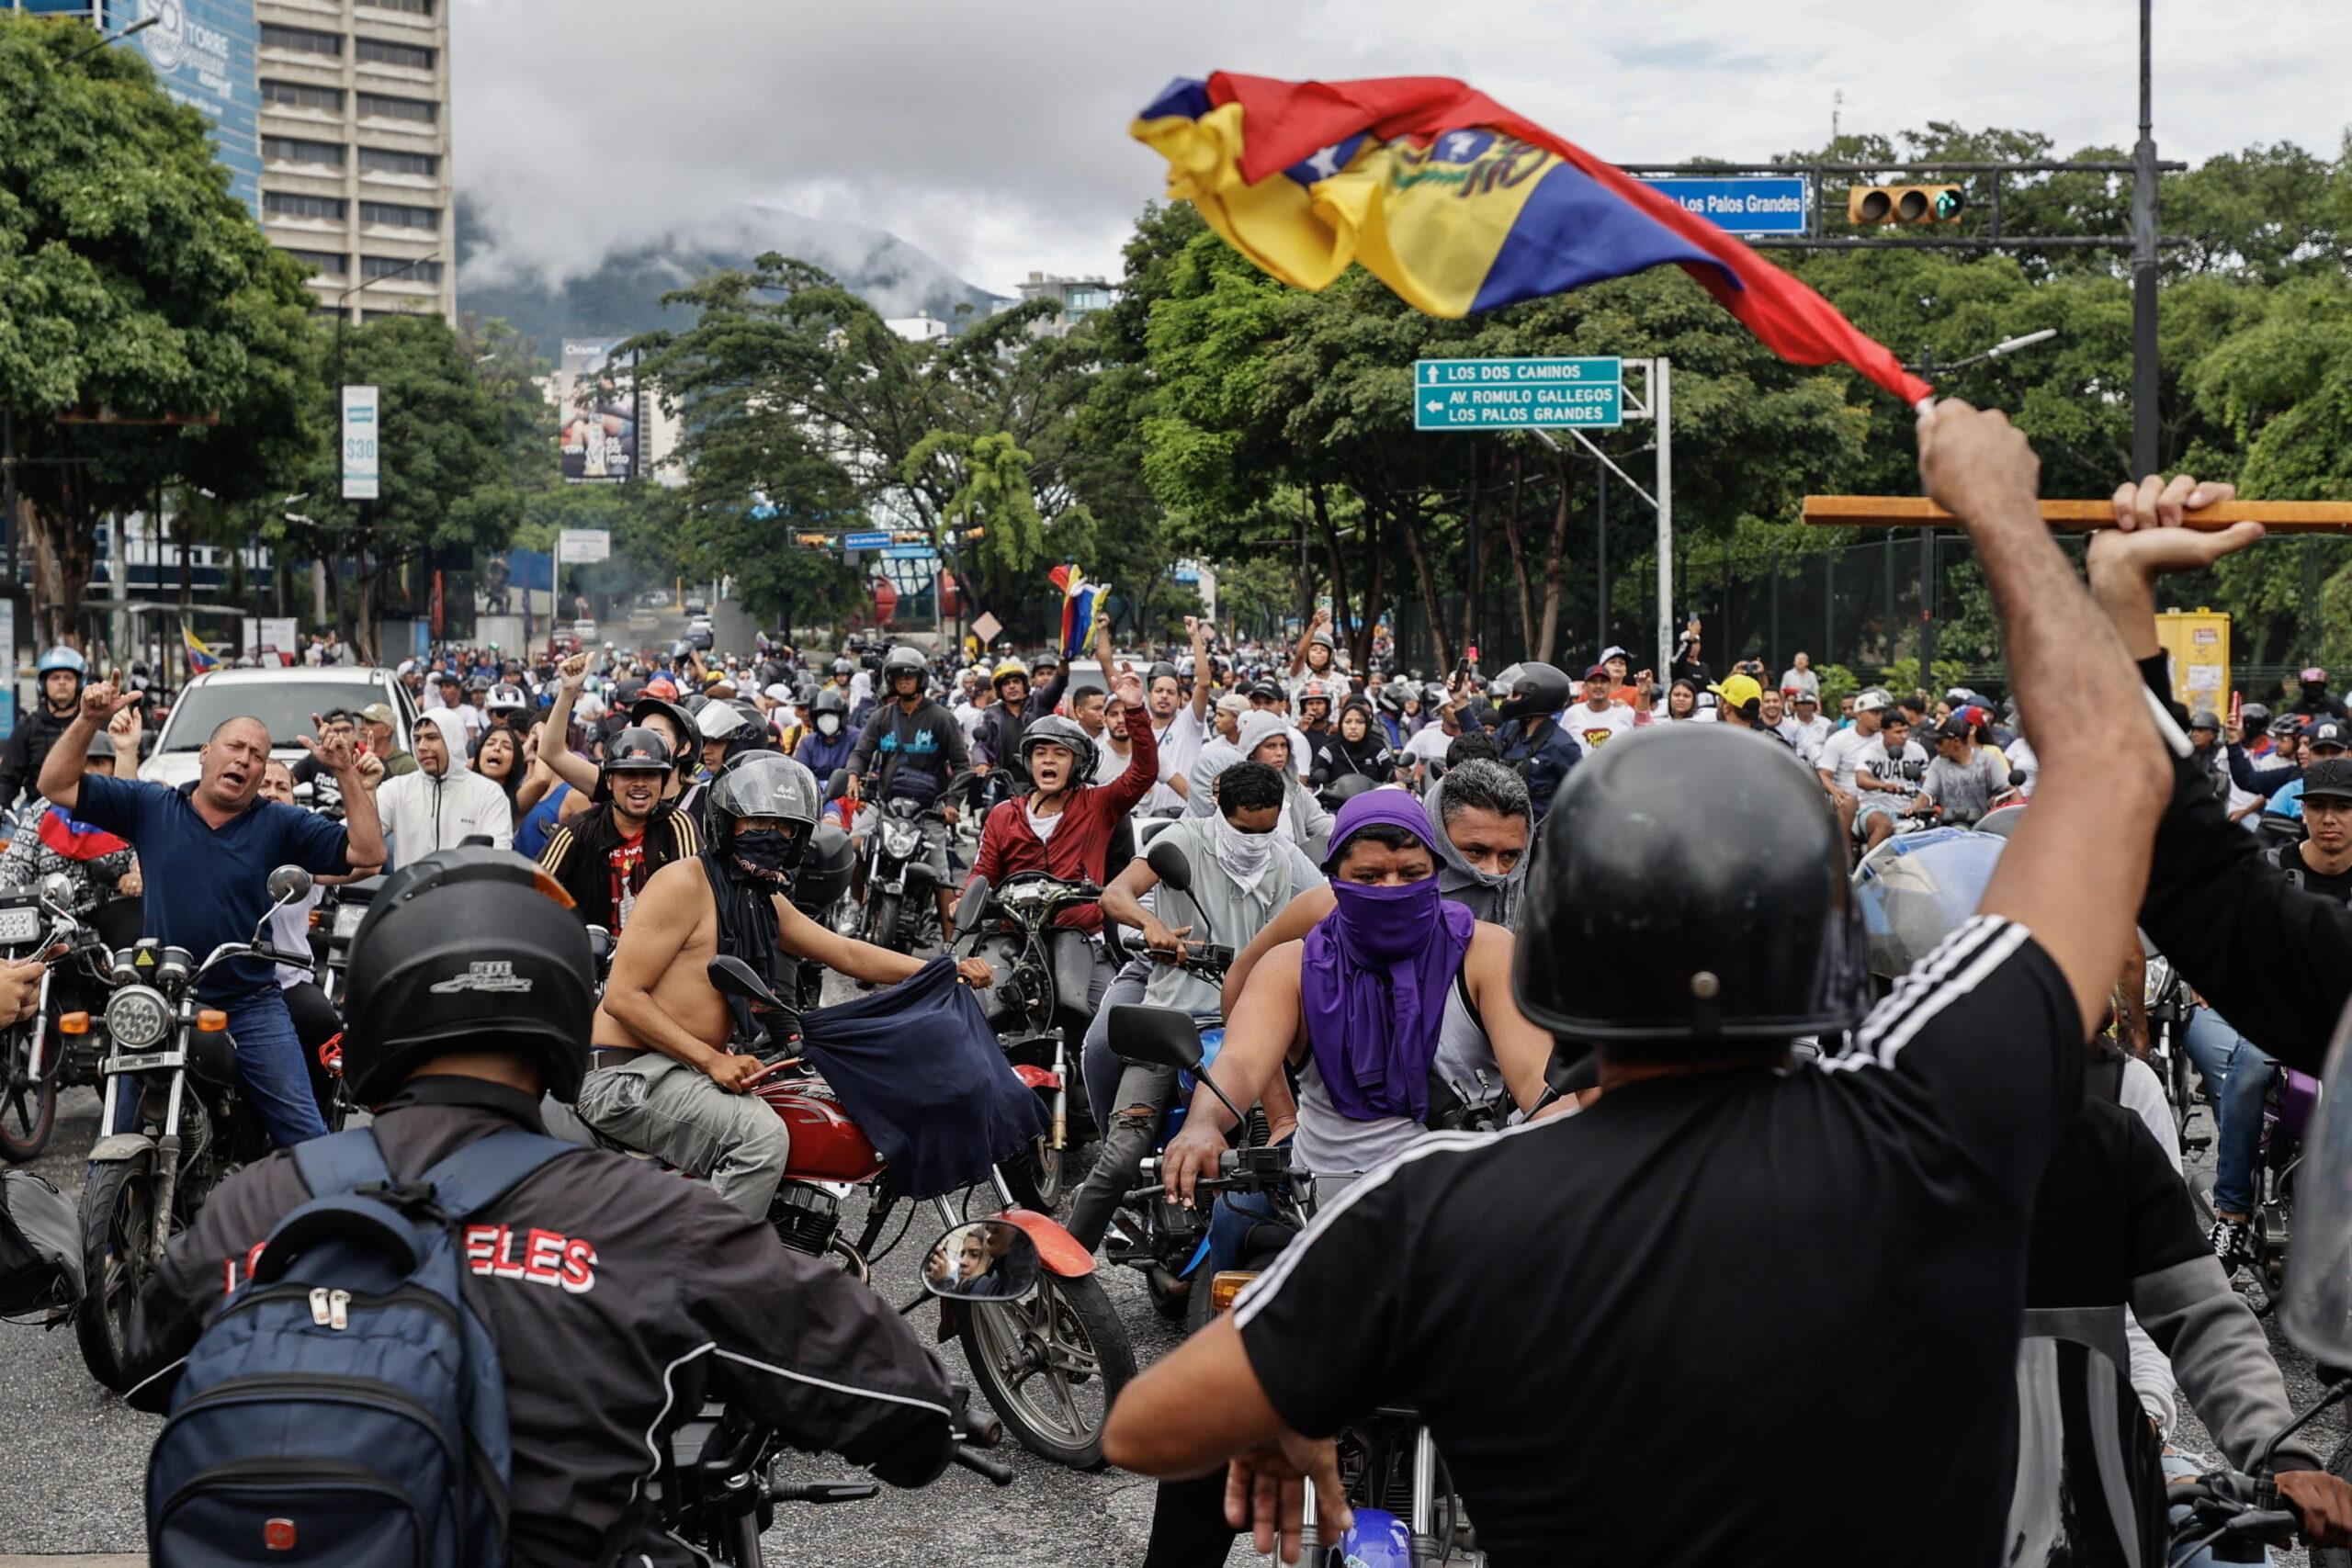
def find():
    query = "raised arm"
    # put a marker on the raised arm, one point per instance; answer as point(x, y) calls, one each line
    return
point(555, 738)
point(2077, 864)
point(61, 774)
point(1203, 672)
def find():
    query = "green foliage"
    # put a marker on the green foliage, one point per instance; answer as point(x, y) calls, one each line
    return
point(130, 281)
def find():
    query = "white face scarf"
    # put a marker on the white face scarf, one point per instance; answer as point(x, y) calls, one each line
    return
point(1245, 857)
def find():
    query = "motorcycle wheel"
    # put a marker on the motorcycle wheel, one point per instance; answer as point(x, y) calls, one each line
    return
point(27, 1104)
point(1050, 1366)
point(882, 919)
point(118, 1240)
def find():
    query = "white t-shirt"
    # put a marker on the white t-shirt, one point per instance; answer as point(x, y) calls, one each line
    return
point(2022, 758)
point(1592, 730)
point(1842, 753)
point(1808, 739)
point(1043, 825)
point(1907, 769)
point(1428, 744)
point(1180, 740)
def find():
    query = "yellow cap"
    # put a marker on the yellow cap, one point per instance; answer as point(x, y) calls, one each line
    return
point(1739, 691)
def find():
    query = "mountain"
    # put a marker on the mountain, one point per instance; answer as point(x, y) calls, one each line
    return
point(622, 295)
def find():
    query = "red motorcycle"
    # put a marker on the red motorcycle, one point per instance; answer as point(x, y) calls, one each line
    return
point(1049, 1362)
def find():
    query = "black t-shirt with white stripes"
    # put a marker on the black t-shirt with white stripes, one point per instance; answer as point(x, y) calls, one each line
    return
point(1744, 1316)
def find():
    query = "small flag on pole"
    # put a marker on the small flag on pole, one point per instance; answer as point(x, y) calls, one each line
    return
point(1081, 599)
point(200, 659)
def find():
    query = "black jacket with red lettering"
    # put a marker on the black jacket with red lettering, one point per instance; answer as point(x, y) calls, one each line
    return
point(621, 1298)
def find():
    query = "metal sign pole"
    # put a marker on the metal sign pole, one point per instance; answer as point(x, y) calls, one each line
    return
point(1662, 410)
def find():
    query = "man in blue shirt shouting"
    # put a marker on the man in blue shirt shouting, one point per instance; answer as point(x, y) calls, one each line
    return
point(207, 850)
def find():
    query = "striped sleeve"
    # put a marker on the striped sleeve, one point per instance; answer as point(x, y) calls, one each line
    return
point(558, 850)
point(1981, 1037)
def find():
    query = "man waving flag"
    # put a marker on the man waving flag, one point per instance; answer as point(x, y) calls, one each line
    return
point(1459, 205)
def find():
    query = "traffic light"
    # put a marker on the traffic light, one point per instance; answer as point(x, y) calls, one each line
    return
point(815, 541)
point(1903, 204)
point(974, 533)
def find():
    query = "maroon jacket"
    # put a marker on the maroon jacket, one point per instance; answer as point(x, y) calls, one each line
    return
point(1081, 845)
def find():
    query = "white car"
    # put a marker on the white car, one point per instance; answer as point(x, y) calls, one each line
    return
point(284, 700)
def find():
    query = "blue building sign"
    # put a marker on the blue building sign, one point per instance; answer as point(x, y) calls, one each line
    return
point(202, 52)
point(1774, 205)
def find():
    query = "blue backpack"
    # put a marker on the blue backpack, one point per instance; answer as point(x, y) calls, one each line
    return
point(346, 1405)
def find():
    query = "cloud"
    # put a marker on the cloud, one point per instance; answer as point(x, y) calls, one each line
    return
point(993, 137)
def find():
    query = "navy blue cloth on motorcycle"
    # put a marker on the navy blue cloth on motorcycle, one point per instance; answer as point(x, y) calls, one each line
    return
point(919, 1070)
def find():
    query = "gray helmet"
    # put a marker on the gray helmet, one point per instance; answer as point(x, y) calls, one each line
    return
point(905, 660)
point(1055, 730)
point(764, 783)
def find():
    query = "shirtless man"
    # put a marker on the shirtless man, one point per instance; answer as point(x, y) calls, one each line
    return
point(664, 1076)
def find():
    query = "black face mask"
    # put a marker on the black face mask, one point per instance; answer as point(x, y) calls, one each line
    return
point(760, 851)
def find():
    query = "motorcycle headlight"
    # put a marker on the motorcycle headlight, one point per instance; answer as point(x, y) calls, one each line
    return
point(899, 841)
point(19, 923)
point(2159, 980)
point(347, 918)
point(138, 1018)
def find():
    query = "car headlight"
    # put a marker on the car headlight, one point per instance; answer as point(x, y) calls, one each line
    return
point(138, 1018)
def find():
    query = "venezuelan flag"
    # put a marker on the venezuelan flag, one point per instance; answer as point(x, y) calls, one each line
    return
point(1459, 205)
point(1079, 599)
point(199, 658)
point(74, 838)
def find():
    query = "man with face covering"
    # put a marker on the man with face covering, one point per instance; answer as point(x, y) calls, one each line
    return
point(444, 802)
point(1395, 997)
point(1480, 824)
point(1264, 735)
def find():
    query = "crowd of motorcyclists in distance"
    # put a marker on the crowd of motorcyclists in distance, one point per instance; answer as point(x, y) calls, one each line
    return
point(1474, 960)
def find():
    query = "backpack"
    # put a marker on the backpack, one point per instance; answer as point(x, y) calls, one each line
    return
point(40, 1247)
point(346, 1405)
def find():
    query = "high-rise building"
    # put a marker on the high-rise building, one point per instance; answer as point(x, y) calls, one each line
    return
point(355, 151)
point(1078, 297)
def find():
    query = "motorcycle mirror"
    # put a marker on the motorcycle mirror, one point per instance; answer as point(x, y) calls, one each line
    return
point(987, 1259)
point(600, 943)
point(730, 977)
point(969, 907)
point(1168, 864)
point(2317, 1308)
point(289, 884)
point(836, 782)
point(1159, 1035)
point(57, 891)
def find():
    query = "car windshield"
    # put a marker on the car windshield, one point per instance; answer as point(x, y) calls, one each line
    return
point(285, 707)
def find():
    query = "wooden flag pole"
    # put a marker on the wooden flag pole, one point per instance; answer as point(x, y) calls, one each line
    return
point(1910, 510)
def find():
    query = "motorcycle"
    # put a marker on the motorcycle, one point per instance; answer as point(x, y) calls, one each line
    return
point(2288, 1106)
point(1050, 1360)
point(2169, 1007)
point(819, 887)
point(194, 1126)
point(38, 1055)
point(715, 1486)
point(1039, 1007)
point(899, 881)
point(339, 914)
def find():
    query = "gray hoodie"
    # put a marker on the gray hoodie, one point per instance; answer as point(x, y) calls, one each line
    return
point(421, 813)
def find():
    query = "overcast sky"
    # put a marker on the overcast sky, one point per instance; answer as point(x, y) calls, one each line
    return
point(993, 135)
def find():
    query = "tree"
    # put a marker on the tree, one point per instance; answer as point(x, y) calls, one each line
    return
point(447, 483)
point(134, 290)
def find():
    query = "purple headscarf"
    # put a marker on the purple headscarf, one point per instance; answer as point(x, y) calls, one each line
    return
point(1375, 974)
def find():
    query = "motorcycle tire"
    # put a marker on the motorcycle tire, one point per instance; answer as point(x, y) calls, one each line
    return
point(882, 917)
point(1050, 1366)
point(28, 1105)
point(117, 1239)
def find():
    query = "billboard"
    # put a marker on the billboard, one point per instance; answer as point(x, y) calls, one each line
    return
point(595, 401)
point(202, 52)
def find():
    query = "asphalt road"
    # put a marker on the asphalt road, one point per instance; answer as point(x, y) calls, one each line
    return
point(73, 1469)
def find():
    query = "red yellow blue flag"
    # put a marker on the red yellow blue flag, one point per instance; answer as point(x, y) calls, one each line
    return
point(199, 658)
point(1079, 601)
point(1459, 205)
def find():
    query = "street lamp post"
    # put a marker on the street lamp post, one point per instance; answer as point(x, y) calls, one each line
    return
point(342, 320)
point(141, 26)
point(1925, 370)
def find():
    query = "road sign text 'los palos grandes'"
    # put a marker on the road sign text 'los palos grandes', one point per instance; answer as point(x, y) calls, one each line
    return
point(1516, 394)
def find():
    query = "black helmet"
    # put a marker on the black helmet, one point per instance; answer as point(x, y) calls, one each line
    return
point(830, 700)
point(1690, 887)
point(638, 751)
point(678, 716)
point(1054, 729)
point(1533, 689)
point(764, 783)
point(2254, 716)
point(905, 661)
point(1162, 671)
point(1392, 700)
point(460, 946)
